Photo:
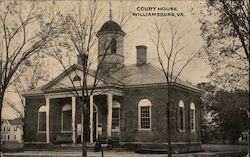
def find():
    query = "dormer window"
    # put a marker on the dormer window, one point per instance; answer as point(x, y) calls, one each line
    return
point(77, 78)
point(113, 46)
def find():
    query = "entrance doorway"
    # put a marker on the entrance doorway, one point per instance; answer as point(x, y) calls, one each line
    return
point(94, 127)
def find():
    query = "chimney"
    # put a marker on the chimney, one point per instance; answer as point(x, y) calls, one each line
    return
point(83, 59)
point(141, 54)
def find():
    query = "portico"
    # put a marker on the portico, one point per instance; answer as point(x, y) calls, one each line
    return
point(67, 98)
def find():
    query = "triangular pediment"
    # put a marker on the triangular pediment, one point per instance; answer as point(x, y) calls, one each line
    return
point(72, 78)
point(5, 123)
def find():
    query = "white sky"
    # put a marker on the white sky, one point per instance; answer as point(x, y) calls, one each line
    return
point(138, 28)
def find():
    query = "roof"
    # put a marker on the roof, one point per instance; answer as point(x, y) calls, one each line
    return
point(111, 26)
point(146, 74)
point(16, 121)
point(127, 76)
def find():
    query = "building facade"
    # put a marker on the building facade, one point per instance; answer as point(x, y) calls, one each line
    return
point(12, 130)
point(128, 103)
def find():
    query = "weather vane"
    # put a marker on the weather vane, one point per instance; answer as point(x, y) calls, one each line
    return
point(110, 10)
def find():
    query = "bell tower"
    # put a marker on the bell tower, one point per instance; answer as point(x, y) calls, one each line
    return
point(110, 46)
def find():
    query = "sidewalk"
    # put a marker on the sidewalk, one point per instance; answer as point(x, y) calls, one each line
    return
point(116, 154)
point(211, 150)
point(90, 154)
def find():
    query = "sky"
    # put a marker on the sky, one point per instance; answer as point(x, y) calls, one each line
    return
point(138, 29)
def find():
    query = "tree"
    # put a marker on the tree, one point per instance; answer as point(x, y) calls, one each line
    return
point(225, 29)
point(172, 63)
point(222, 105)
point(24, 32)
point(28, 77)
point(79, 40)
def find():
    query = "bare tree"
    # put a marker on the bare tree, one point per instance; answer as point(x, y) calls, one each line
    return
point(24, 32)
point(28, 77)
point(172, 63)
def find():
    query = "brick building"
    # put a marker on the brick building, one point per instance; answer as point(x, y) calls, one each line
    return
point(128, 103)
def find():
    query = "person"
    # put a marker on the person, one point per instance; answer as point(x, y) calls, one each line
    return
point(109, 144)
point(97, 146)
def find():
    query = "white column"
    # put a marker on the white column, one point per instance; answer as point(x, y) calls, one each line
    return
point(47, 120)
point(91, 117)
point(109, 115)
point(74, 119)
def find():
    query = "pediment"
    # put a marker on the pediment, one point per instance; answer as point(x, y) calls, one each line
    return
point(72, 78)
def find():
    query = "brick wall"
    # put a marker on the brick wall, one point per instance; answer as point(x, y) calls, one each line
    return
point(158, 132)
point(31, 119)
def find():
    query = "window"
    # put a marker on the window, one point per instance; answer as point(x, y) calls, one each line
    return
point(181, 116)
point(77, 78)
point(8, 129)
point(14, 137)
point(8, 137)
point(42, 118)
point(144, 109)
point(66, 117)
point(192, 117)
point(116, 116)
point(113, 45)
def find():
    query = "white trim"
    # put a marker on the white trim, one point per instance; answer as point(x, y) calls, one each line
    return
point(144, 103)
point(67, 107)
point(42, 108)
point(116, 104)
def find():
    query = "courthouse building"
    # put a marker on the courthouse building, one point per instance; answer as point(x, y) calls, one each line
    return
point(129, 102)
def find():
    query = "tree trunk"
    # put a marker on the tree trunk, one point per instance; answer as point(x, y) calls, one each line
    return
point(169, 123)
point(169, 130)
point(84, 141)
point(84, 126)
point(1, 105)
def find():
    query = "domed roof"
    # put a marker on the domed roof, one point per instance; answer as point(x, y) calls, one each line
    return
point(110, 26)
